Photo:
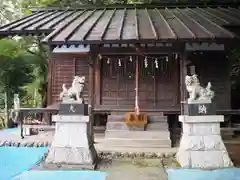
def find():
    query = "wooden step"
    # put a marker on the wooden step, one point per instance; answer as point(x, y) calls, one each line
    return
point(137, 134)
point(137, 143)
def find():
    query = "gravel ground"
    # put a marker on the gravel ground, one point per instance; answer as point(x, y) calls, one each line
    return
point(124, 168)
point(127, 168)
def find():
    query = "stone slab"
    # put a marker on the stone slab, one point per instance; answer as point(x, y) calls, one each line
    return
point(116, 118)
point(199, 109)
point(157, 126)
point(137, 134)
point(157, 118)
point(70, 118)
point(199, 101)
point(73, 109)
point(201, 129)
point(151, 118)
point(137, 143)
point(70, 167)
point(201, 119)
point(123, 126)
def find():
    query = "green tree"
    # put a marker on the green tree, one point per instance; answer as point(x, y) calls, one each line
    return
point(14, 74)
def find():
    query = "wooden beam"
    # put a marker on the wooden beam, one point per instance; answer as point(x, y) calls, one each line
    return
point(133, 51)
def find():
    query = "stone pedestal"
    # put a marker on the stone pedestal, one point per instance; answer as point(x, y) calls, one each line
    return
point(201, 145)
point(72, 143)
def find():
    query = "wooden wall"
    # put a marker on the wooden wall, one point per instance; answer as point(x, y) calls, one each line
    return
point(159, 87)
point(62, 69)
point(158, 84)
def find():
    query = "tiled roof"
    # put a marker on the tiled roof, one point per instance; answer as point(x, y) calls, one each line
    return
point(125, 25)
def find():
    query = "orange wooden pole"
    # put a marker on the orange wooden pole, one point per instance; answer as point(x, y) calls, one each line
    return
point(137, 110)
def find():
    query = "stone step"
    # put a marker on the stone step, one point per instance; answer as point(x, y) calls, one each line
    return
point(137, 134)
point(156, 126)
point(116, 118)
point(137, 143)
point(122, 126)
point(151, 118)
point(157, 118)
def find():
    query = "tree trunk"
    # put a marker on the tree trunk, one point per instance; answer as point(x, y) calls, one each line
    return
point(6, 94)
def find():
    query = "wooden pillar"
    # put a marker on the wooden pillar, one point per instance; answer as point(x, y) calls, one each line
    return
point(97, 80)
point(91, 92)
point(183, 73)
point(50, 80)
point(91, 80)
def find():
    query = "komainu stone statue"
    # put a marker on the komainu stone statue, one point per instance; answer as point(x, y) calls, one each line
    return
point(16, 107)
point(74, 93)
point(196, 91)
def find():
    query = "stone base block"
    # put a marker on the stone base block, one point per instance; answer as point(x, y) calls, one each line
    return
point(201, 144)
point(204, 159)
point(72, 155)
point(72, 142)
